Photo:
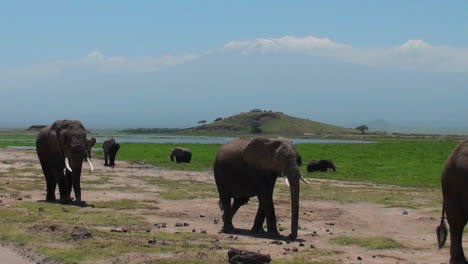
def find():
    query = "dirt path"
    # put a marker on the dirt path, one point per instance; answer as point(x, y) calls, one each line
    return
point(321, 221)
point(9, 256)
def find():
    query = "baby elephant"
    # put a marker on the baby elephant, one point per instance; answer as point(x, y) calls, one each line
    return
point(181, 155)
point(320, 165)
point(110, 148)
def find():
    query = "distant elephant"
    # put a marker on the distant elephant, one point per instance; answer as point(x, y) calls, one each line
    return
point(181, 155)
point(246, 168)
point(320, 165)
point(63, 145)
point(455, 201)
point(110, 148)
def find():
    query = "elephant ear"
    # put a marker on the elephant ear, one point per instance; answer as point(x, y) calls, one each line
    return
point(264, 154)
point(92, 141)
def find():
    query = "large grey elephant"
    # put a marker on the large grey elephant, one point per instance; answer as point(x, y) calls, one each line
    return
point(110, 148)
point(63, 145)
point(246, 168)
point(181, 155)
point(455, 201)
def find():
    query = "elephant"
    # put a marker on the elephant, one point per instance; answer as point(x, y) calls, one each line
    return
point(455, 201)
point(110, 148)
point(63, 146)
point(299, 160)
point(245, 168)
point(320, 165)
point(181, 155)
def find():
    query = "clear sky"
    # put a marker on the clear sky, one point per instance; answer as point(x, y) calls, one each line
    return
point(62, 41)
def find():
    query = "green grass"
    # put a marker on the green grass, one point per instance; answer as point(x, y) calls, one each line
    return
point(373, 243)
point(124, 204)
point(416, 163)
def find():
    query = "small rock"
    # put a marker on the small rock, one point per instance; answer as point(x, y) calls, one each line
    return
point(186, 224)
point(301, 244)
point(277, 242)
point(202, 215)
point(193, 230)
point(295, 249)
point(81, 233)
point(405, 212)
point(359, 258)
point(179, 224)
point(41, 209)
point(312, 246)
point(152, 241)
point(215, 221)
point(203, 231)
point(19, 198)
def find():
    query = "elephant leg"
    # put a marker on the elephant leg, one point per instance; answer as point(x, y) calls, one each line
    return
point(112, 159)
point(50, 181)
point(265, 198)
point(106, 158)
point(76, 178)
point(457, 221)
point(225, 202)
point(178, 159)
point(68, 182)
point(63, 189)
point(238, 202)
point(258, 222)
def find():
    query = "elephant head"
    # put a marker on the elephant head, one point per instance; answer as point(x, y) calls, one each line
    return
point(277, 155)
point(70, 135)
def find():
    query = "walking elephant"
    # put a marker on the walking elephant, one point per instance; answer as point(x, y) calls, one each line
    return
point(181, 155)
point(455, 202)
point(63, 145)
point(246, 168)
point(110, 148)
point(320, 165)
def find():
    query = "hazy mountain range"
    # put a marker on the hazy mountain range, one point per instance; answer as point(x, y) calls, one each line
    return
point(225, 82)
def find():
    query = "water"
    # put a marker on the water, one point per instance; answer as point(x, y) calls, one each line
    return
point(206, 140)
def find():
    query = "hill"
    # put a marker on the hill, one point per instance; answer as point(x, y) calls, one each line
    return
point(271, 123)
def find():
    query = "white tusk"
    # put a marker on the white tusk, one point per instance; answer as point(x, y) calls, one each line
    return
point(286, 181)
point(67, 165)
point(90, 164)
point(304, 180)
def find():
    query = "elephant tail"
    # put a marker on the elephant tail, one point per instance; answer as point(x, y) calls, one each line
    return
point(442, 229)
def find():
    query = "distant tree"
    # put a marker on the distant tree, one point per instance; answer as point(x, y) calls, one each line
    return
point(362, 128)
point(218, 119)
point(202, 122)
point(255, 127)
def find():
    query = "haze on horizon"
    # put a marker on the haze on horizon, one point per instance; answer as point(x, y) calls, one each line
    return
point(119, 64)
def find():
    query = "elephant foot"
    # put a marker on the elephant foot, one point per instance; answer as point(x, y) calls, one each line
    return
point(66, 200)
point(273, 233)
point(291, 237)
point(107, 165)
point(257, 230)
point(229, 229)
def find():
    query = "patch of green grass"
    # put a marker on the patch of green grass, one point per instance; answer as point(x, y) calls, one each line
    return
point(415, 163)
point(123, 204)
point(373, 243)
point(183, 189)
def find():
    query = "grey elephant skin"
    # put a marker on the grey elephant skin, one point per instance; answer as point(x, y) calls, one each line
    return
point(181, 155)
point(110, 148)
point(320, 165)
point(455, 201)
point(63, 142)
point(246, 168)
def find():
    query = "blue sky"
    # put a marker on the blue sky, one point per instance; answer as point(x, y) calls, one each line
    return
point(52, 48)
point(39, 31)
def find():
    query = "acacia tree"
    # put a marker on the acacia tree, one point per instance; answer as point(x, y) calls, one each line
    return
point(362, 128)
point(202, 122)
point(255, 127)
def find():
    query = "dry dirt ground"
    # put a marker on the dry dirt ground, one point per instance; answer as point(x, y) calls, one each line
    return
point(324, 216)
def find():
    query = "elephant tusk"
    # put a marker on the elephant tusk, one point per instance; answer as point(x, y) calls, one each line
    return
point(304, 180)
point(286, 181)
point(90, 164)
point(67, 164)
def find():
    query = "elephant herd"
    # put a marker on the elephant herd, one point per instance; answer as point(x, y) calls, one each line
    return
point(243, 168)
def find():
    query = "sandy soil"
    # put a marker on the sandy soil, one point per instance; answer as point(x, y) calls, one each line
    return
point(319, 220)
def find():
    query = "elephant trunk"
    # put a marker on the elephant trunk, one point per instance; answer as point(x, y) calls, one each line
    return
point(77, 163)
point(293, 176)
